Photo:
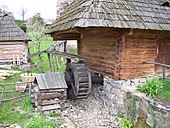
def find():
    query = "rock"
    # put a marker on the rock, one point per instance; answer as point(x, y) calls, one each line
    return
point(126, 83)
point(108, 88)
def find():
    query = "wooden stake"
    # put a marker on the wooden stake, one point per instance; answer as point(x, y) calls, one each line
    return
point(54, 63)
point(49, 62)
point(41, 67)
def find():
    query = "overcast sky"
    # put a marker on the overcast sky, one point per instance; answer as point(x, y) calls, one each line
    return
point(47, 8)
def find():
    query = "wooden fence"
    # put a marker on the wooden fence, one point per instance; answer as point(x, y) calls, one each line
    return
point(164, 68)
point(3, 91)
point(53, 55)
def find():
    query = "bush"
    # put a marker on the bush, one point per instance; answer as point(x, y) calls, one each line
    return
point(124, 123)
point(152, 88)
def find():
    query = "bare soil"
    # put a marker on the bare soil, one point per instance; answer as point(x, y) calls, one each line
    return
point(89, 113)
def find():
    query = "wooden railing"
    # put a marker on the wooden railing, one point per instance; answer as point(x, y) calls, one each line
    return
point(55, 54)
point(3, 91)
point(164, 67)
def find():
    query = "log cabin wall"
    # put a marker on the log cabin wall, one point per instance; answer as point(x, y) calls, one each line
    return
point(10, 51)
point(103, 49)
point(142, 46)
point(120, 53)
point(163, 53)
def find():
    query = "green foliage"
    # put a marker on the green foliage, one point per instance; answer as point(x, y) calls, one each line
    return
point(26, 104)
point(166, 90)
point(21, 24)
point(39, 122)
point(153, 87)
point(124, 123)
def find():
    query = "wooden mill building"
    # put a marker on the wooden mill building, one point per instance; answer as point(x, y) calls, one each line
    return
point(117, 36)
point(13, 42)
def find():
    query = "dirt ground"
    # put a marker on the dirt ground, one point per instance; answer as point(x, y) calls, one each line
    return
point(89, 113)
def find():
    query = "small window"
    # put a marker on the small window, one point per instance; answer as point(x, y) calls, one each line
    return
point(167, 4)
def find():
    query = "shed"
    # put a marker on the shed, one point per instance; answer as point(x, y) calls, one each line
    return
point(49, 91)
point(13, 42)
point(117, 36)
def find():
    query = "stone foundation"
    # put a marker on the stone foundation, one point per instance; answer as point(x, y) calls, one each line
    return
point(122, 97)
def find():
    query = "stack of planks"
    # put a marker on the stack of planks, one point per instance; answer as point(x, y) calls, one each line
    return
point(6, 73)
point(49, 91)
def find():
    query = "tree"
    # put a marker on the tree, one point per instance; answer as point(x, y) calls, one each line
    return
point(5, 9)
point(22, 13)
point(62, 5)
point(37, 18)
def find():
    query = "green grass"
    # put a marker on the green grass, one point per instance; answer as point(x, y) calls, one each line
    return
point(166, 91)
point(8, 112)
point(11, 116)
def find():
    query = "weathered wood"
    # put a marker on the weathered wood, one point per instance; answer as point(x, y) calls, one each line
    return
point(15, 98)
point(49, 62)
point(9, 91)
point(9, 53)
point(156, 63)
point(49, 96)
point(51, 90)
point(48, 102)
point(41, 67)
point(54, 63)
point(36, 54)
point(2, 92)
point(13, 84)
point(57, 63)
point(50, 107)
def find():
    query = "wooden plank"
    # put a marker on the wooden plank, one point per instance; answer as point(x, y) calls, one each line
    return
point(49, 62)
point(15, 98)
point(48, 102)
point(50, 96)
point(50, 107)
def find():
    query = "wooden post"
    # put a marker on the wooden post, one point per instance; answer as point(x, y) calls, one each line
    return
point(41, 67)
point(164, 72)
point(54, 63)
point(49, 62)
point(65, 46)
point(57, 63)
point(3, 88)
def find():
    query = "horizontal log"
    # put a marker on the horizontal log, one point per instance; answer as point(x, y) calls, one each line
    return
point(15, 98)
point(50, 107)
point(48, 102)
point(49, 96)
point(156, 63)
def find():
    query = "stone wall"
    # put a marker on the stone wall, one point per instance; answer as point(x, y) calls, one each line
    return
point(122, 97)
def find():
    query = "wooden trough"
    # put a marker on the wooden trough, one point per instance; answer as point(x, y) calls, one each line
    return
point(49, 91)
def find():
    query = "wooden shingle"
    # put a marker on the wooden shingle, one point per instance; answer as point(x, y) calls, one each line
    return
point(9, 30)
point(137, 14)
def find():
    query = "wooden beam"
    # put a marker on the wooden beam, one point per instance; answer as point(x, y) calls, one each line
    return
point(66, 36)
point(36, 54)
point(156, 63)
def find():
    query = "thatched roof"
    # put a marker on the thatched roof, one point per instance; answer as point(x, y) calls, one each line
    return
point(9, 30)
point(137, 14)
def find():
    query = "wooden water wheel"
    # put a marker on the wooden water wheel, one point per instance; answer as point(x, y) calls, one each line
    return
point(79, 81)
